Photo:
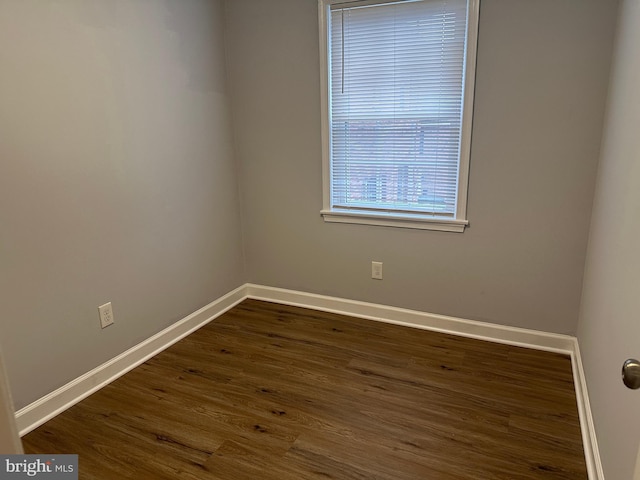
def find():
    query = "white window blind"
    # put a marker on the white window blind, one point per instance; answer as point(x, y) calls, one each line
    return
point(396, 96)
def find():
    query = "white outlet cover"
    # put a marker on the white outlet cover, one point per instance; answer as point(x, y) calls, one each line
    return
point(376, 270)
point(106, 315)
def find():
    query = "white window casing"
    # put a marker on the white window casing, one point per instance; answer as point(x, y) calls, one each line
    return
point(397, 82)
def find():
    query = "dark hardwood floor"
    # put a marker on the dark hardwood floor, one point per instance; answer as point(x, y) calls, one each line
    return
point(268, 391)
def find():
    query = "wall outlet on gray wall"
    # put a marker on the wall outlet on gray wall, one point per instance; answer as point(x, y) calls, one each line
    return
point(106, 315)
point(376, 270)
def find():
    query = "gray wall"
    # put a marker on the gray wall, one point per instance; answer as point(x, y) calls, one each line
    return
point(609, 328)
point(117, 178)
point(541, 84)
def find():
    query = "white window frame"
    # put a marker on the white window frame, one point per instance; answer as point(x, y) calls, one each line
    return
point(393, 219)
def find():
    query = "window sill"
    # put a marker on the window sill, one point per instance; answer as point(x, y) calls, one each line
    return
point(416, 221)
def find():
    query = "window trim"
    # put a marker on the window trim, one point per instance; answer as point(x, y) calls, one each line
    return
point(392, 219)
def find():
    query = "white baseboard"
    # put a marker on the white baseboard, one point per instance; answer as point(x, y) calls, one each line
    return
point(412, 318)
point(589, 439)
point(37, 413)
point(47, 407)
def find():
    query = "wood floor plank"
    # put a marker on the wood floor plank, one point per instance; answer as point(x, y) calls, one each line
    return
point(276, 392)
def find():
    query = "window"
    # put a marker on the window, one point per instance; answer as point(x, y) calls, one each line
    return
point(398, 81)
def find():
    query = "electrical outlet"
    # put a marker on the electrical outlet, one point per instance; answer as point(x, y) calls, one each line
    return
point(376, 270)
point(106, 315)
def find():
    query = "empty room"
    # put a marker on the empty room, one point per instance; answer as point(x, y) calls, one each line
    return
point(311, 239)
